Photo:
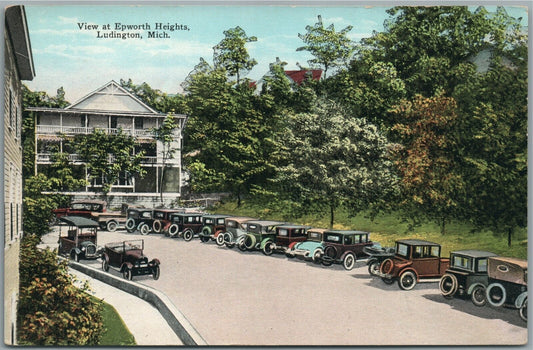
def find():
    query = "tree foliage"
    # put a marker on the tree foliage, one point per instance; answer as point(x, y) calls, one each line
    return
point(330, 48)
point(155, 98)
point(166, 134)
point(231, 54)
point(51, 310)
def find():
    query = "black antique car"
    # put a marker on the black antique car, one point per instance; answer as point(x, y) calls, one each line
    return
point(213, 226)
point(376, 255)
point(185, 225)
point(467, 276)
point(81, 239)
point(141, 220)
point(128, 258)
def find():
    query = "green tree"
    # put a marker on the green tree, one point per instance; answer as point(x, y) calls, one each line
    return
point(155, 98)
point(231, 54)
point(108, 156)
point(51, 310)
point(329, 47)
point(333, 159)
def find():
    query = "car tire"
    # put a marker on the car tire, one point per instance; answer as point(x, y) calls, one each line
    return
point(144, 229)
point(173, 230)
point(105, 265)
point(155, 273)
point(112, 226)
point(206, 233)
point(448, 285)
point(479, 295)
point(496, 294)
point(331, 252)
point(386, 266)
point(187, 235)
point(220, 239)
point(268, 249)
point(130, 225)
point(240, 244)
point(373, 268)
point(407, 280)
point(127, 274)
point(229, 240)
point(523, 310)
point(317, 255)
point(349, 261)
point(249, 241)
point(157, 225)
point(74, 256)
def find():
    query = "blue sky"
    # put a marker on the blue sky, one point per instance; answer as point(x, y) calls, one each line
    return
point(65, 55)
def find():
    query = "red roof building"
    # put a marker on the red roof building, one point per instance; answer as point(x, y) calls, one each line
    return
point(298, 76)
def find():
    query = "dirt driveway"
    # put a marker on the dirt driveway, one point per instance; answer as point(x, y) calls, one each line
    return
point(247, 298)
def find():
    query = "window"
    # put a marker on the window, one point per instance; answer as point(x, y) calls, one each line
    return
point(461, 262)
point(114, 122)
point(283, 232)
point(220, 222)
point(482, 265)
point(139, 123)
point(209, 221)
point(402, 250)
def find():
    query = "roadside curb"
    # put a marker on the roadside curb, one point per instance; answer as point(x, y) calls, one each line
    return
point(175, 319)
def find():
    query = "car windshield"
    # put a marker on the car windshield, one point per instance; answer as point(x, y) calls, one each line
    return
point(314, 236)
point(81, 206)
point(333, 238)
point(462, 262)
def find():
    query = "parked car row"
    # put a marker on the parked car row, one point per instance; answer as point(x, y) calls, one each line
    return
point(479, 275)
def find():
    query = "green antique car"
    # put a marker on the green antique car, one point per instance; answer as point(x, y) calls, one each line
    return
point(259, 233)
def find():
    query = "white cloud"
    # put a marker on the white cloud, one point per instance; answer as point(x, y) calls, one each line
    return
point(68, 20)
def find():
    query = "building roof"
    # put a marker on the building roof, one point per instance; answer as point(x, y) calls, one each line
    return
point(17, 29)
point(79, 221)
point(112, 97)
point(299, 76)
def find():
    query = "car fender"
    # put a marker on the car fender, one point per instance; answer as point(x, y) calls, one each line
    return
point(76, 250)
point(265, 241)
point(292, 245)
point(371, 260)
point(155, 262)
point(520, 299)
point(474, 285)
point(126, 265)
point(343, 255)
point(402, 270)
point(218, 232)
point(105, 257)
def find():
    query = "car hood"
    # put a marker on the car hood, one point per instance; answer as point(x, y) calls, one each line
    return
point(136, 254)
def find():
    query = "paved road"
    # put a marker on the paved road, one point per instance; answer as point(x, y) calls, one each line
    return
point(247, 298)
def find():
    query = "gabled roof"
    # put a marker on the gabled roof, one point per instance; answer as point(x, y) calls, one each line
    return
point(299, 76)
point(111, 97)
point(17, 29)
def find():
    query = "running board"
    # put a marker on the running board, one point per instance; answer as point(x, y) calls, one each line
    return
point(429, 280)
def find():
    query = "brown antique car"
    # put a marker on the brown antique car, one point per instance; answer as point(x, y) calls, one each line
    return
point(185, 225)
point(508, 283)
point(213, 226)
point(128, 258)
point(80, 208)
point(415, 260)
point(344, 246)
point(286, 237)
point(81, 239)
point(162, 220)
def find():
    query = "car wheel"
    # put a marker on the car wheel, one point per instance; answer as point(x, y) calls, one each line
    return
point(387, 280)
point(496, 294)
point(173, 230)
point(317, 255)
point(220, 239)
point(187, 235)
point(105, 265)
point(407, 280)
point(331, 252)
point(349, 261)
point(448, 285)
point(523, 310)
point(127, 274)
point(144, 229)
point(75, 257)
point(373, 268)
point(240, 244)
point(156, 226)
point(268, 248)
point(249, 241)
point(386, 266)
point(112, 226)
point(479, 295)
point(155, 273)
point(130, 225)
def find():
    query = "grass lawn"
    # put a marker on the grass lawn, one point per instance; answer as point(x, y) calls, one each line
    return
point(116, 332)
point(388, 227)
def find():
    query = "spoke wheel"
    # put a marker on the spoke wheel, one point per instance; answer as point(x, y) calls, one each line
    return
point(127, 274)
point(348, 262)
point(496, 294)
point(407, 280)
point(268, 248)
point(220, 239)
point(187, 235)
point(317, 256)
point(155, 273)
point(373, 268)
point(479, 296)
point(448, 285)
point(130, 225)
point(112, 226)
point(145, 229)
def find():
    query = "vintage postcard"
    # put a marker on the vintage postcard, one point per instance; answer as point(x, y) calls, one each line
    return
point(265, 174)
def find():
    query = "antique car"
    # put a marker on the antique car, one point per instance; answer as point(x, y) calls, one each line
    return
point(185, 225)
point(111, 220)
point(466, 276)
point(140, 220)
point(415, 261)
point(344, 246)
point(128, 258)
point(213, 226)
point(235, 231)
point(311, 248)
point(258, 232)
point(162, 221)
point(508, 283)
point(376, 255)
point(81, 239)
point(286, 235)
point(80, 208)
